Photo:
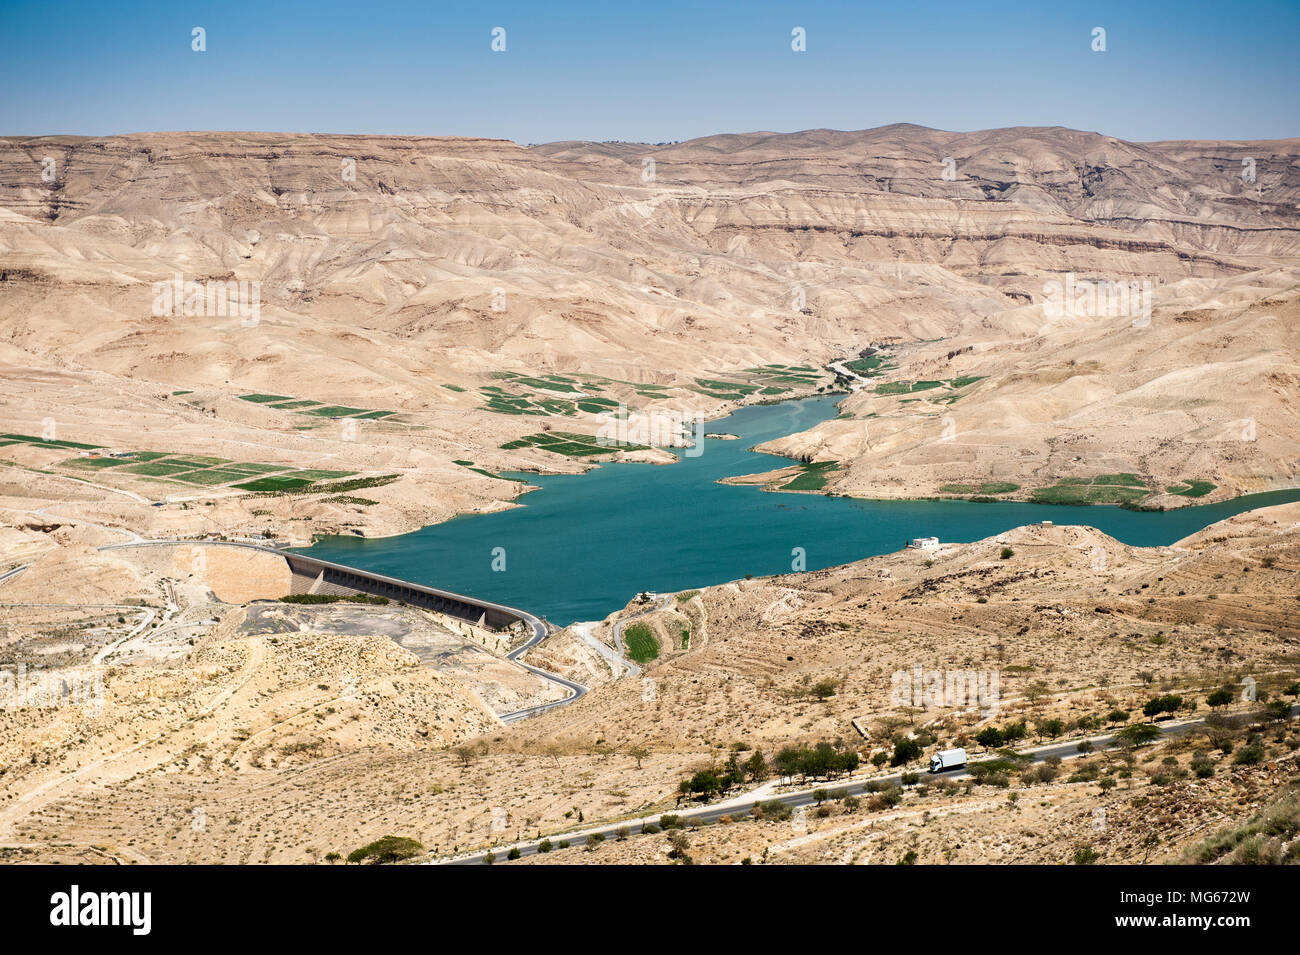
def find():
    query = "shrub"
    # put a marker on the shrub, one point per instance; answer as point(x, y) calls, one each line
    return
point(1007, 553)
point(1250, 755)
point(1278, 710)
point(545, 845)
point(887, 799)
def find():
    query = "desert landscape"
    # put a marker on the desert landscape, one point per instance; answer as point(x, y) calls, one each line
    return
point(218, 338)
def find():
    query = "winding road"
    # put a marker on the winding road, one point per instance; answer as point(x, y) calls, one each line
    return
point(800, 798)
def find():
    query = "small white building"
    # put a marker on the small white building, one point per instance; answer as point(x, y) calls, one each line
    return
point(925, 543)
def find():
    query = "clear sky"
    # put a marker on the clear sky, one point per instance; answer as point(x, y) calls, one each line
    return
point(649, 71)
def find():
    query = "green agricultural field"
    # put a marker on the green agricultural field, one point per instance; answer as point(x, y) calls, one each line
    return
point(32, 439)
point(321, 475)
point(262, 399)
point(731, 387)
point(568, 443)
point(1122, 480)
point(865, 366)
point(157, 468)
point(998, 487)
point(987, 488)
point(93, 464)
point(299, 403)
point(283, 482)
point(197, 460)
point(210, 477)
point(573, 449)
point(1190, 488)
point(252, 468)
point(642, 645)
point(336, 411)
point(561, 386)
point(1088, 494)
point(813, 478)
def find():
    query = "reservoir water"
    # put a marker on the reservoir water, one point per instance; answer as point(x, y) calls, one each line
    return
point(584, 545)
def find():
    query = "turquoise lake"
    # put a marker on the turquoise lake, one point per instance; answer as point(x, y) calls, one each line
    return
point(584, 545)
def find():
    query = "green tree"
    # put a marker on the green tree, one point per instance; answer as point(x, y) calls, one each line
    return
point(1220, 697)
point(905, 750)
point(1162, 704)
point(386, 850)
point(1139, 734)
point(1052, 728)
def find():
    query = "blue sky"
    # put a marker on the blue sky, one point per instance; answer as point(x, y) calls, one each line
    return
point(654, 71)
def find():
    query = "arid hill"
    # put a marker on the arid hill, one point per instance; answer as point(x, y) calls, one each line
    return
point(405, 274)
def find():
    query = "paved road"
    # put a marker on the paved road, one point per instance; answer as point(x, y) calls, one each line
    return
point(13, 573)
point(802, 797)
point(576, 690)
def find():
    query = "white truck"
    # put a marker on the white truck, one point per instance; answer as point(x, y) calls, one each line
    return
point(947, 759)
